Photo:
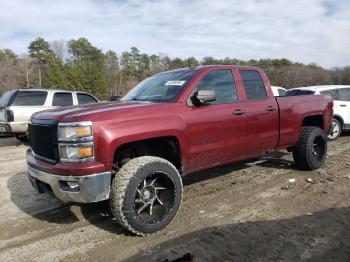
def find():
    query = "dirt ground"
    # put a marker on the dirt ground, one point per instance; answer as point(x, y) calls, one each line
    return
point(248, 211)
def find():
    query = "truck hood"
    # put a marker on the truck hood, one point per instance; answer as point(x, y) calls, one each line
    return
point(91, 112)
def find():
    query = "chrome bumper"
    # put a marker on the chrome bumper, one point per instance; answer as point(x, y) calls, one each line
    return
point(91, 188)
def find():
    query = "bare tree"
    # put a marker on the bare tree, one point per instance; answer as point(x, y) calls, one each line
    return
point(60, 49)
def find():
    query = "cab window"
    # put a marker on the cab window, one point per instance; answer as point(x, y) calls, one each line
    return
point(85, 99)
point(62, 99)
point(253, 84)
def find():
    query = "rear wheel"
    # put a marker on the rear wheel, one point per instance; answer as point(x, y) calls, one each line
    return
point(335, 130)
point(146, 194)
point(310, 151)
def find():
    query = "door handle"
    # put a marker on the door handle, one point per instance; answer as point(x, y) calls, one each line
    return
point(238, 112)
point(270, 108)
point(343, 105)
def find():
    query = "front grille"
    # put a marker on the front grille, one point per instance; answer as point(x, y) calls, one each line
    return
point(43, 140)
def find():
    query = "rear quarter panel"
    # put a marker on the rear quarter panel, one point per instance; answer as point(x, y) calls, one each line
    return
point(294, 109)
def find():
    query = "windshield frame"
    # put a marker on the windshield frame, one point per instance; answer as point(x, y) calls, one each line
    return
point(132, 94)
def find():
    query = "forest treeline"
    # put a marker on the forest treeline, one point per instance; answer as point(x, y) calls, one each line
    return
point(78, 65)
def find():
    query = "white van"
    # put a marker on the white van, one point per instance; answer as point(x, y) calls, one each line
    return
point(17, 106)
point(341, 98)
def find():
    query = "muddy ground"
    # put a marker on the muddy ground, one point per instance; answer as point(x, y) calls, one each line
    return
point(243, 212)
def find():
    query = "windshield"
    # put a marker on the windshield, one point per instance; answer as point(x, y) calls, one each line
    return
point(299, 92)
point(160, 88)
point(5, 98)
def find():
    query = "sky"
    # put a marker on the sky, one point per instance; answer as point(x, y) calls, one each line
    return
point(300, 30)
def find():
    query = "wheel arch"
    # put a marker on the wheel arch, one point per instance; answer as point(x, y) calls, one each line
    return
point(314, 120)
point(166, 147)
point(340, 119)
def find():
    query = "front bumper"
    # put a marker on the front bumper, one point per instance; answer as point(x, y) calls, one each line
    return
point(91, 188)
point(14, 127)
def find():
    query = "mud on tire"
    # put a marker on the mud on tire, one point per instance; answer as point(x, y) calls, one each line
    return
point(146, 194)
point(310, 151)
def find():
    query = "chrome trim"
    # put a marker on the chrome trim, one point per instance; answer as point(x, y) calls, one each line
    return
point(83, 123)
point(92, 188)
point(87, 159)
point(75, 124)
point(49, 160)
point(80, 139)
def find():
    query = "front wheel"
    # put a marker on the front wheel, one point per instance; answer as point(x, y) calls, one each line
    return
point(311, 150)
point(146, 194)
point(335, 130)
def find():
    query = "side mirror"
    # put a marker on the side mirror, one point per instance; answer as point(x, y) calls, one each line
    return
point(203, 96)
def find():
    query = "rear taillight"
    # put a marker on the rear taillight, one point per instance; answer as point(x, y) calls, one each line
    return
point(9, 116)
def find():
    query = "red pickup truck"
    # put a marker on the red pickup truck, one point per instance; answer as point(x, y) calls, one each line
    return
point(134, 152)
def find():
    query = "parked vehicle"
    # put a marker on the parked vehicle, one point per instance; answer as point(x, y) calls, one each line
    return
point(278, 91)
point(114, 98)
point(172, 124)
point(17, 106)
point(341, 98)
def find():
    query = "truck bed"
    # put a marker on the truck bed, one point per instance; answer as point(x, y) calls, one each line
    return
point(293, 110)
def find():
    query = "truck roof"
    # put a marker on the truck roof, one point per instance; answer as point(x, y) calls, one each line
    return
point(44, 89)
point(196, 68)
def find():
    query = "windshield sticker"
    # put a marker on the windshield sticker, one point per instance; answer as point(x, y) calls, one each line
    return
point(175, 83)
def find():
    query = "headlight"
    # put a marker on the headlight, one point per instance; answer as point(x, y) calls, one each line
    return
point(76, 152)
point(80, 131)
point(75, 142)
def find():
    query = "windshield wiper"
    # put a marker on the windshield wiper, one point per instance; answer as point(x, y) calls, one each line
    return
point(146, 98)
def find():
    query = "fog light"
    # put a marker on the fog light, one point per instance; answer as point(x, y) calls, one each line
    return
point(72, 185)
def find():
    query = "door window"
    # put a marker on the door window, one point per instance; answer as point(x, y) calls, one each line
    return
point(221, 81)
point(62, 99)
point(281, 92)
point(299, 92)
point(344, 94)
point(253, 84)
point(333, 93)
point(85, 99)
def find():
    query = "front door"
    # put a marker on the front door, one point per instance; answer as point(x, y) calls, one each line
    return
point(217, 134)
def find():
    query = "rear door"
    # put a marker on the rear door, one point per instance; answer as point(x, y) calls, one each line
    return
point(341, 100)
point(262, 113)
point(343, 105)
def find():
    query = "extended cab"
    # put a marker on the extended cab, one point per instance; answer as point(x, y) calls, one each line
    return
point(171, 124)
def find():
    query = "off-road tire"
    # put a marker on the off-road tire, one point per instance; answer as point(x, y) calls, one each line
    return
point(304, 151)
point(335, 121)
point(125, 185)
